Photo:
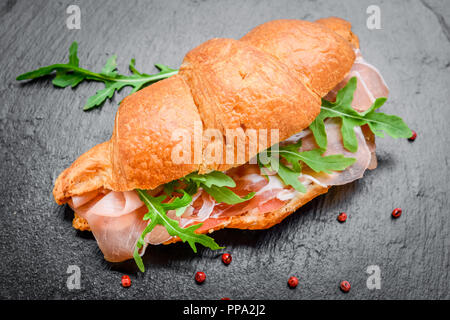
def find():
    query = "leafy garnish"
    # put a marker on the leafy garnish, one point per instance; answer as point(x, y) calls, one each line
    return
point(70, 74)
point(169, 187)
point(157, 214)
point(216, 178)
point(312, 158)
point(342, 108)
point(289, 176)
point(177, 202)
point(225, 195)
point(216, 184)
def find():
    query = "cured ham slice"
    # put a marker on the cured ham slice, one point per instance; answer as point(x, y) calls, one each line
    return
point(266, 190)
point(370, 140)
point(116, 232)
point(370, 86)
point(200, 209)
point(372, 79)
point(117, 236)
point(116, 204)
point(211, 223)
point(78, 201)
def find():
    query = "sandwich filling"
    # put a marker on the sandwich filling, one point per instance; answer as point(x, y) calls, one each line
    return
point(116, 218)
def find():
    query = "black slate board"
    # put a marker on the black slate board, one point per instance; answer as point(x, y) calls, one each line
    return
point(43, 129)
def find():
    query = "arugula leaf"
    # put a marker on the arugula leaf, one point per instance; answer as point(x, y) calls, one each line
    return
point(169, 187)
point(179, 211)
point(216, 184)
point(71, 74)
point(312, 158)
point(216, 178)
point(327, 164)
point(157, 216)
point(103, 94)
point(110, 68)
point(287, 175)
point(378, 122)
point(133, 68)
point(63, 79)
point(177, 203)
point(223, 194)
point(290, 177)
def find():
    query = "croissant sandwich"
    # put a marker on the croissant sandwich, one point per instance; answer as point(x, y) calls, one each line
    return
point(242, 136)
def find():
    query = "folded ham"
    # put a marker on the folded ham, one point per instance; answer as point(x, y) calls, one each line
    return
point(370, 85)
point(115, 218)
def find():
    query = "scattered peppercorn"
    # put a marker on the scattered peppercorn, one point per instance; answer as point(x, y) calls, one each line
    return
point(226, 258)
point(293, 282)
point(126, 281)
point(200, 277)
point(342, 217)
point(345, 286)
point(396, 213)
point(413, 136)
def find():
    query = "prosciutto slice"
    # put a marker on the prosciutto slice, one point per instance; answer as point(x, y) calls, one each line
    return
point(269, 196)
point(78, 201)
point(115, 218)
point(200, 210)
point(116, 204)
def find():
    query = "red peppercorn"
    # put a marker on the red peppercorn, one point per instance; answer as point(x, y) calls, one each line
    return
point(413, 137)
point(345, 286)
point(342, 217)
point(225, 298)
point(293, 282)
point(200, 277)
point(226, 258)
point(397, 213)
point(126, 281)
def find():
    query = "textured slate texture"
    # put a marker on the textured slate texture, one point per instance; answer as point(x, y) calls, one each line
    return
point(43, 129)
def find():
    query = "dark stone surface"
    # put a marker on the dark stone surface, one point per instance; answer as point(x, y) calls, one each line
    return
point(43, 129)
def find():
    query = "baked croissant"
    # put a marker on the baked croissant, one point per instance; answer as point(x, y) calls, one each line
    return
point(272, 78)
